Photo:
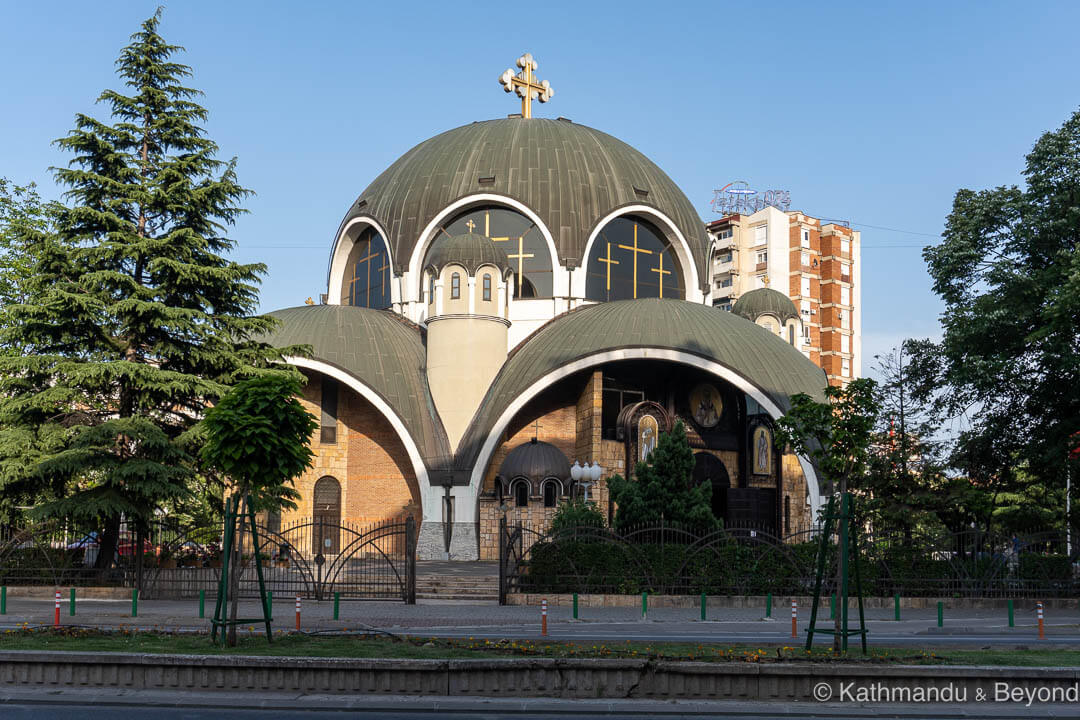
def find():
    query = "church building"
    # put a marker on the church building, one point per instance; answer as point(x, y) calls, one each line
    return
point(515, 310)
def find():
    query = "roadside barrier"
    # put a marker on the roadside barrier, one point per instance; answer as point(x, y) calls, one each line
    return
point(56, 618)
point(297, 612)
point(543, 616)
point(794, 619)
point(1039, 610)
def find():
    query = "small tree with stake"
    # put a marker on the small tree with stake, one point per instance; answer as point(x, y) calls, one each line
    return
point(836, 435)
point(257, 437)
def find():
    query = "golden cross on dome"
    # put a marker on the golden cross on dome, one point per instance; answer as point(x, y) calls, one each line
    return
point(609, 262)
point(635, 250)
point(520, 257)
point(662, 272)
point(526, 84)
point(470, 224)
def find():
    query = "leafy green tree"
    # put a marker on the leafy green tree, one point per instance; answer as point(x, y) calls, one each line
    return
point(257, 436)
point(577, 513)
point(662, 489)
point(135, 321)
point(1008, 270)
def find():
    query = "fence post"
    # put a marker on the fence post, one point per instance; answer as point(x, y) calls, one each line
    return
point(1012, 617)
point(575, 606)
point(768, 605)
point(135, 602)
point(502, 560)
point(410, 560)
point(71, 610)
point(644, 604)
point(832, 606)
point(896, 606)
point(940, 614)
point(337, 604)
point(702, 606)
point(202, 603)
point(3, 600)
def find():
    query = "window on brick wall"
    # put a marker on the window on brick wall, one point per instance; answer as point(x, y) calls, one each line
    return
point(329, 405)
point(804, 308)
point(326, 516)
point(551, 494)
point(845, 367)
point(845, 245)
point(804, 258)
point(805, 239)
point(845, 271)
point(521, 493)
point(845, 296)
point(804, 286)
point(762, 257)
point(845, 343)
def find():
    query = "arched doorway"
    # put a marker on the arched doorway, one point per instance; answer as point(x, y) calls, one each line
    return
point(326, 516)
point(709, 469)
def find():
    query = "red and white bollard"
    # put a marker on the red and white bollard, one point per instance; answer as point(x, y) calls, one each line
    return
point(1038, 609)
point(297, 612)
point(794, 620)
point(56, 617)
point(543, 616)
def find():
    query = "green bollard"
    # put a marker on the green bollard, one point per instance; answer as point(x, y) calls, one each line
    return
point(1012, 618)
point(703, 606)
point(575, 606)
point(3, 600)
point(896, 607)
point(940, 614)
point(832, 606)
point(202, 603)
point(72, 608)
point(135, 602)
point(337, 604)
point(768, 605)
point(644, 604)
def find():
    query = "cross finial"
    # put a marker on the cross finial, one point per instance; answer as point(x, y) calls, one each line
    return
point(536, 429)
point(526, 84)
point(470, 224)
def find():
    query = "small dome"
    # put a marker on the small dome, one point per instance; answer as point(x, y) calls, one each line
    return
point(765, 301)
point(470, 250)
point(536, 461)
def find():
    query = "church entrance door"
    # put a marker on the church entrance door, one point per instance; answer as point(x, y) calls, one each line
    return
point(710, 469)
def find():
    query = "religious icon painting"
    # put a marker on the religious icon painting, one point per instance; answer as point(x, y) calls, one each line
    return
point(706, 405)
point(762, 449)
point(648, 432)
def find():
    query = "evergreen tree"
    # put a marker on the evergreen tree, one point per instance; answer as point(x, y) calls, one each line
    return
point(663, 489)
point(137, 322)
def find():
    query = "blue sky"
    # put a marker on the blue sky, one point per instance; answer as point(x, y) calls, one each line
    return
point(871, 112)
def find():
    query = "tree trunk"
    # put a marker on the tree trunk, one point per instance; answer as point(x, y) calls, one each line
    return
point(234, 573)
point(107, 543)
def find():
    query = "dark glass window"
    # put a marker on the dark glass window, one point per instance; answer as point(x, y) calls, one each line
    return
point(455, 286)
point(550, 494)
point(487, 287)
point(521, 494)
point(519, 236)
point(787, 514)
point(326, 516)
point(367, 272)
point(328, 425)
point(631, 258)
point(791, 334)
point(615, 397)
point(431, 289)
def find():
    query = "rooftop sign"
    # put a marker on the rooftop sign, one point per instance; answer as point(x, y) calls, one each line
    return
point(738, 198)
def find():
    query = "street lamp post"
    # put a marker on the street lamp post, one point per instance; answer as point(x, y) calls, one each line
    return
point(586, 475)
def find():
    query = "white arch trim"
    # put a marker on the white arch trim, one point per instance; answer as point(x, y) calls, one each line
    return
point(682, 250)
point(340, 255)
point(371, 396)
point(428, 236)
point(676, 356)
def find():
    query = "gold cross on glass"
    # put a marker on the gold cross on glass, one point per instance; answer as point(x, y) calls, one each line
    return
point(662, 272)
point(609, 262)
point(635, 250)
point(520, 257)
point(384, 274)
point(526, 84)
point(367, 265)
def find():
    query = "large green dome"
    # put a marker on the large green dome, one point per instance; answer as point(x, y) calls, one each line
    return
point(570, 175)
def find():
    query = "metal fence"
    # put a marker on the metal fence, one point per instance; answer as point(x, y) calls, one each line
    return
point(316, 560)
point(746, 560)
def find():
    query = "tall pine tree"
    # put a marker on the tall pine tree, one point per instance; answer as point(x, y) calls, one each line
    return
point(139, 321)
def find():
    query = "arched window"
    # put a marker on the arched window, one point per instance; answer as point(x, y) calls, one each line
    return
point(367, 272)
point(326, 516)
point(791, 333)
point(455, 286)
point(521, 493)
point(430, 289)
point(551, 493)
point(630, 258)
point(524, 243)
point(487, 287)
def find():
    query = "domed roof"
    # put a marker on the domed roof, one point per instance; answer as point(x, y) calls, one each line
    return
point(536, 461)
point(750, 351)
point(570, 175)
point(470, 250)
point(765, 301)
